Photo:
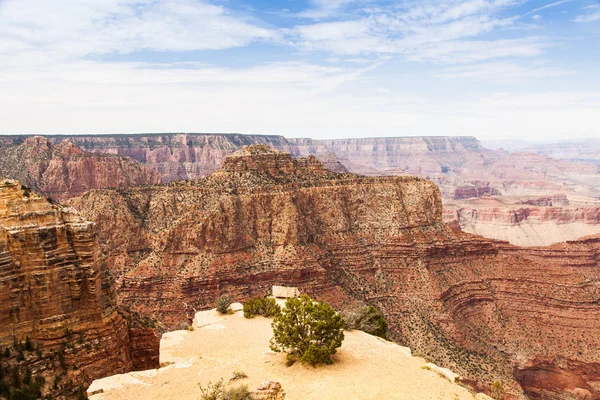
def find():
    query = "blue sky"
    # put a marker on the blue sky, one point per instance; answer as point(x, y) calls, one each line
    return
point(503, 69)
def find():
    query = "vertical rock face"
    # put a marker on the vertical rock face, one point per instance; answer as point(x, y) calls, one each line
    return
point(483, 308)
point(64, 170)
point(56, 291)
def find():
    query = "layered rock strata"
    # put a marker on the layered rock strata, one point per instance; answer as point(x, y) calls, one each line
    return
point(536, 222)
point(483, 308)
point(57, 312)
point(64, 170)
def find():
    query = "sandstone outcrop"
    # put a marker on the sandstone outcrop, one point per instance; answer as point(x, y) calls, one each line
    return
point(483, 308)
point(64, 170)
point(56, 294)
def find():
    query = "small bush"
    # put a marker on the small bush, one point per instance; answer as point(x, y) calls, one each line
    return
point(223, 304)
point(367, 319)
point(307, 330)
point(217, 391)
point(267, 307)
point(237, 375)
point(497, 390)
point(191, 328)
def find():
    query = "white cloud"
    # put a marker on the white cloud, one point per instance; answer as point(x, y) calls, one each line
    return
point(592, 14)
point(423, 30)
point(505, 72)
point(47, 30)
point(468, 51)
point(536, 17)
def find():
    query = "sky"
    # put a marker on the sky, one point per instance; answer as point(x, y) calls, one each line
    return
point(494, 69)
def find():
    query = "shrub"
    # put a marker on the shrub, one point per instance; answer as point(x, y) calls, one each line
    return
point(217, 391)
point(223, 304)
point(237, 375)
point(497, 390)
point(367, 319)
point(267, 307)
point(307, 330)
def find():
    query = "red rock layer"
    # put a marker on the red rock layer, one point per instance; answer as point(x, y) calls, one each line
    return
point(64, 170)
point(483, 308)
point(55, 289)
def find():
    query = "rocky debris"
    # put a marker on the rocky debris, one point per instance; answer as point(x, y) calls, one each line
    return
point(285, 292)
point(477, 306)
point(57, 294)
point(269, 390)
point(64, 170)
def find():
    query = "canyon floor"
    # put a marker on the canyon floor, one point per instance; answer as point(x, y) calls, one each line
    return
point(366, 367)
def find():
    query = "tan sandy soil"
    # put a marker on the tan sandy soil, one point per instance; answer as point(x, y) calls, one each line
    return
point(366, 367)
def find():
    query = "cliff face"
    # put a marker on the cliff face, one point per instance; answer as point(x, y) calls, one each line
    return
point(56, 293)
point(533, 222)
point(483, 308)
point(63, 170)
point(191, 156)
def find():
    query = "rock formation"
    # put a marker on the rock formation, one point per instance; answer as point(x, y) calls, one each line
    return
point(64, 170)
point(56, 294)
point(530, 222)
point(485, 309)
point(463, 193)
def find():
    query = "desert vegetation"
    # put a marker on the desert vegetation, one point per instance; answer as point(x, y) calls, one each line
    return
point(367, 319)
point(223, 304)
point(264, 306)
point(307, 330)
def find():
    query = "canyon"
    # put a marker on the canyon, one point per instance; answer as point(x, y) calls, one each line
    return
point(461, 166)
point(58, 317)
point(63, 170)
point(484, 308)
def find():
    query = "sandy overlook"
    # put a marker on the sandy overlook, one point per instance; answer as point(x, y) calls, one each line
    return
point(367, 367)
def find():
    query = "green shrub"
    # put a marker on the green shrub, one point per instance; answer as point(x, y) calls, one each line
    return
point(367, 319)
point(307, 330)
point(223, 304)
point(267, 307)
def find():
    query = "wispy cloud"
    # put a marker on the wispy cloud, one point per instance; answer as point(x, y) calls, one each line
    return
point(44, 28)
point(556, 3)
point(505, 72)
point(421, 30)
point(592, 14)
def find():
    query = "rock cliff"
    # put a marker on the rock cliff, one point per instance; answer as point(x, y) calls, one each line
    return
point(57, 311)
point(533, 222)
point(483, 308)
point(64, 170)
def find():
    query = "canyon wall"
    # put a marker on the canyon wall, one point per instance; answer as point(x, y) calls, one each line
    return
point(58, 317)
point(63, 170)
point(525, 222)
point(193, 155)
point(483, 308)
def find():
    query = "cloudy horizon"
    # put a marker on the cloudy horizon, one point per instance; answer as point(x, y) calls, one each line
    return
point(495, 69)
